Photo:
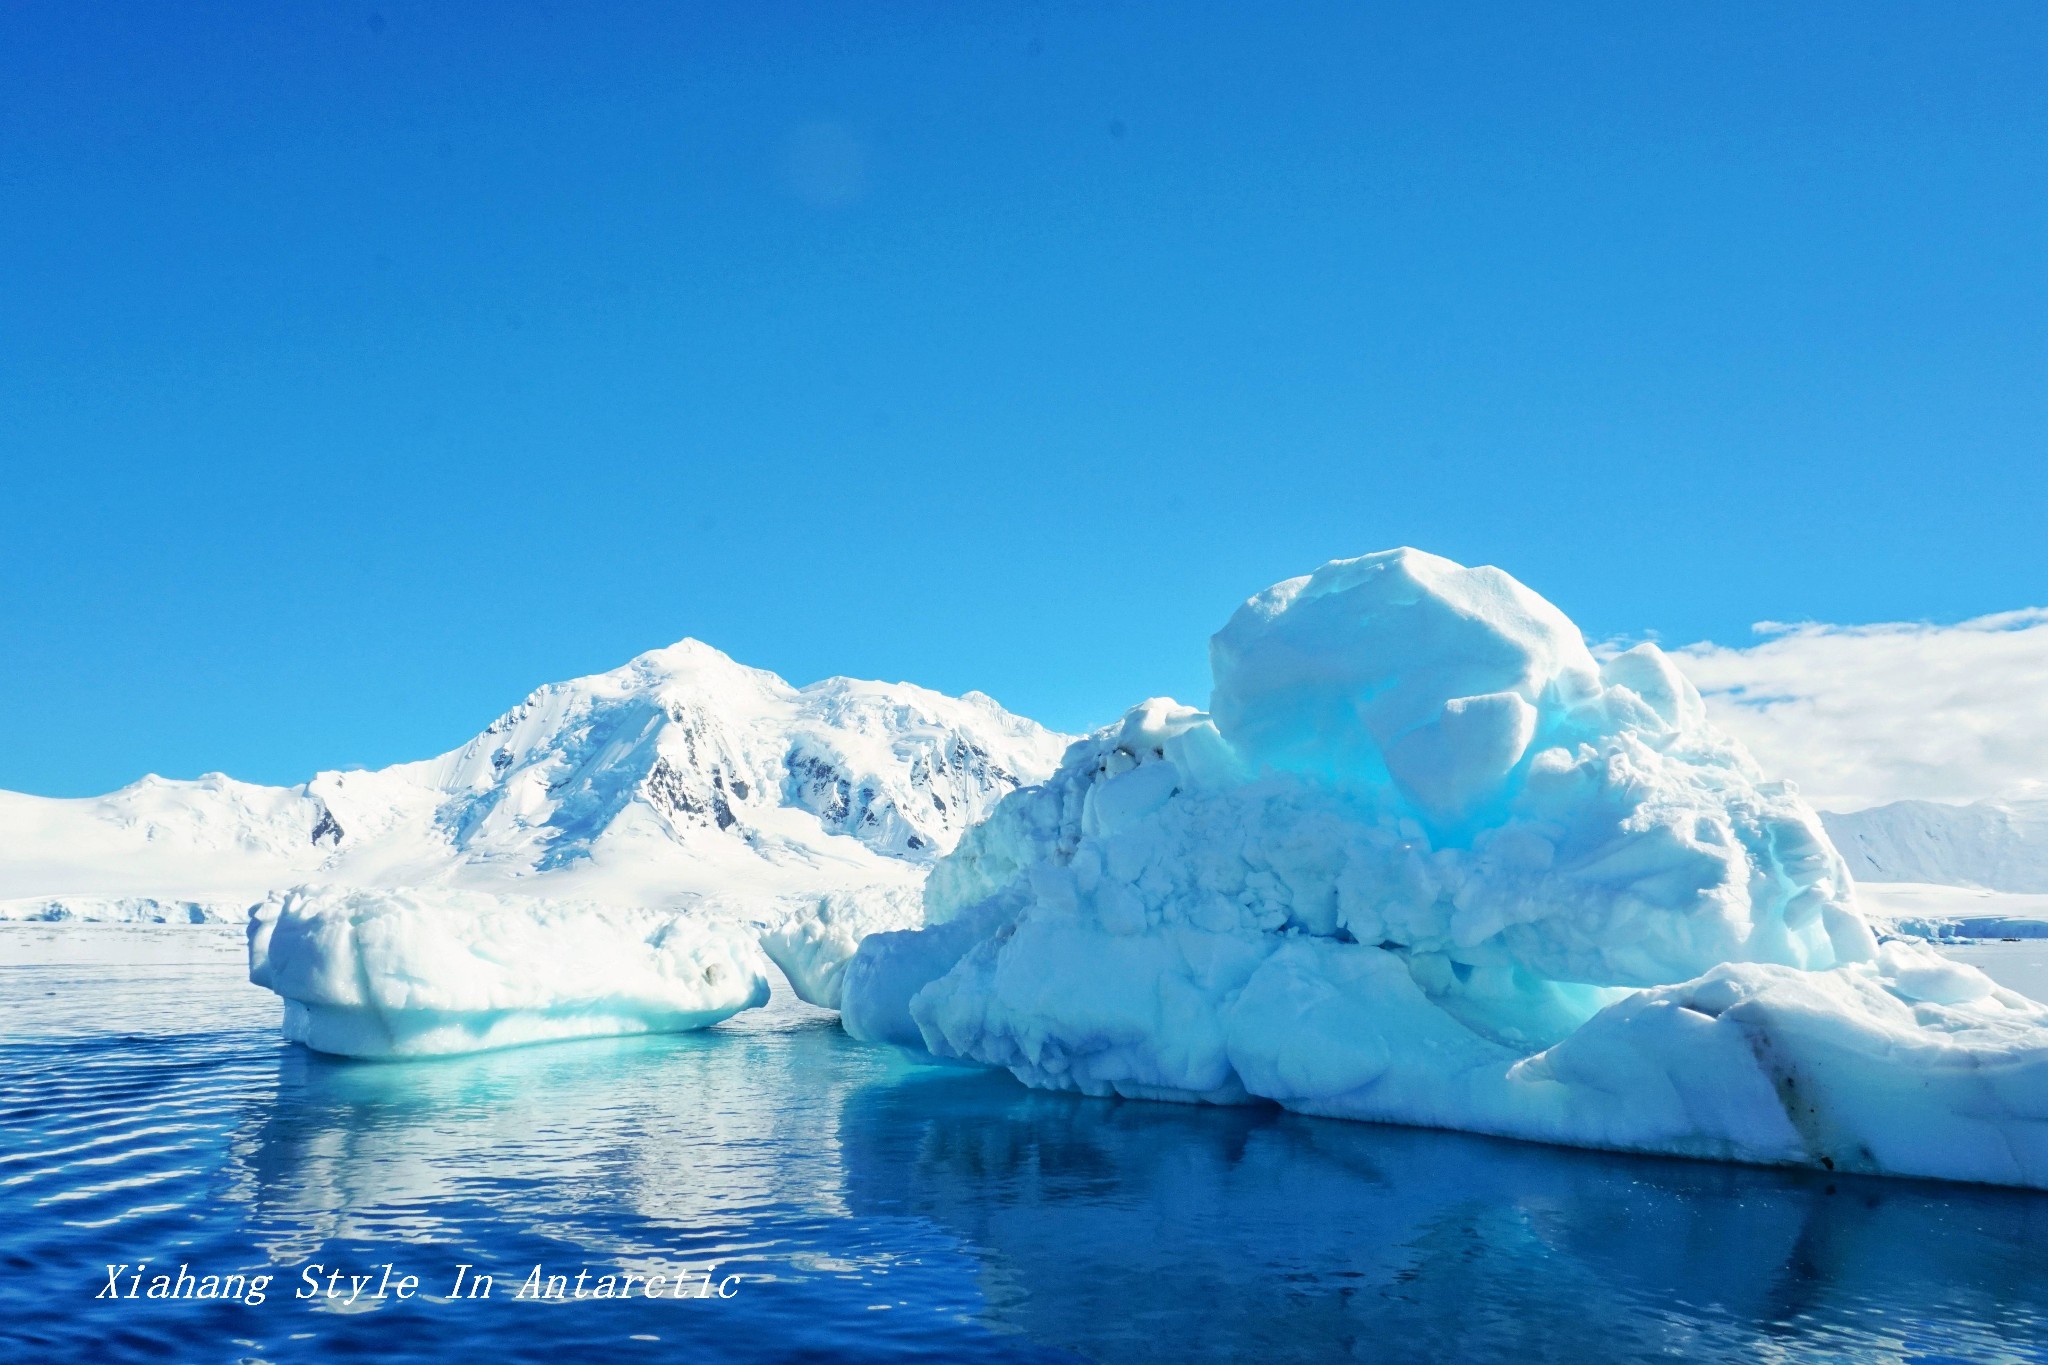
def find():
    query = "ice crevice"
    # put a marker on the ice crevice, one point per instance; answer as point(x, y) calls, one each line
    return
point(1427, 860)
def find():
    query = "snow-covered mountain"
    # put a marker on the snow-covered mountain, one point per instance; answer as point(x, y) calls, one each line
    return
point(681, 774)
point(1996, 845)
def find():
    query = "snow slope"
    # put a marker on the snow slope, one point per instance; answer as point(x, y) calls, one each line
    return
point(680, 775)
point(1426, 861)
point(1997, 845)
point(179, 850)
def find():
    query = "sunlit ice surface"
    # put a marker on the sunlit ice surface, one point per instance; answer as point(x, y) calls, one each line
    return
point(878, 1210)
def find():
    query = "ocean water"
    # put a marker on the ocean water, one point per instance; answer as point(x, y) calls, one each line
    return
point(858, 1207)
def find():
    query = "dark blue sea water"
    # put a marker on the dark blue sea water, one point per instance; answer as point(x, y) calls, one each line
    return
point(876, 1210)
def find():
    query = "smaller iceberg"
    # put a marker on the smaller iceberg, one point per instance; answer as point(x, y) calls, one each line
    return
point(1427, 860)
point(814, 937)
point(392, 973)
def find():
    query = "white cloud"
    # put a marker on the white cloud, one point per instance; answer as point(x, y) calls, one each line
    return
point(1861, 715)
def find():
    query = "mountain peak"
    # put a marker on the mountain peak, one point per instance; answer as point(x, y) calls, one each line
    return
point(687, 652)
point(681, 771)
point(689, 664)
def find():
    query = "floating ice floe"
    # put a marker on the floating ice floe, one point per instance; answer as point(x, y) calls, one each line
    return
point(1428, 861)
point(420, 972)
point(815, 937)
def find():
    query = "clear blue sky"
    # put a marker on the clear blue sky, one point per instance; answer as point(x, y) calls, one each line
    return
point(362, 367)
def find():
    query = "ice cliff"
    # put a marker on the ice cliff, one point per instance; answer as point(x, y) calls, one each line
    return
point(1427, 861)
point(1997, 845)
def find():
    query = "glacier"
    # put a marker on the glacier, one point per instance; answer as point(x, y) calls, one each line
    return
point(1427, 860)
point(1996, 845)
point(1950, 873)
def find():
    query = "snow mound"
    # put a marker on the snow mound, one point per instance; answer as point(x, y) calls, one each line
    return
point(1427, 861)
point(409, 973)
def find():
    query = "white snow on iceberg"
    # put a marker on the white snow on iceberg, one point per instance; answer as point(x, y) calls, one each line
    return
point(1427, 861)
point(410, 973)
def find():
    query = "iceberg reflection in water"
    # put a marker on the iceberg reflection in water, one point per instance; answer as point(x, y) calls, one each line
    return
point(880, 1210)
point(1133, 1231)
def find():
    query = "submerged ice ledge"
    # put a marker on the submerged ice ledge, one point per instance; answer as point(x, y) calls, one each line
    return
point(1428, 861)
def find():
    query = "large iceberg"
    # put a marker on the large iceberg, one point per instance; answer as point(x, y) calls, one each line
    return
point(1427, 860)
point(389, 973)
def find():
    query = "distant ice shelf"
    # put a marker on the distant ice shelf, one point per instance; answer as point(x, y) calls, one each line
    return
point(125, 910)
point(1949, 913)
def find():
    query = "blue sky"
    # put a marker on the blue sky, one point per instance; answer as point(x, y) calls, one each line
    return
point(363, 367)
